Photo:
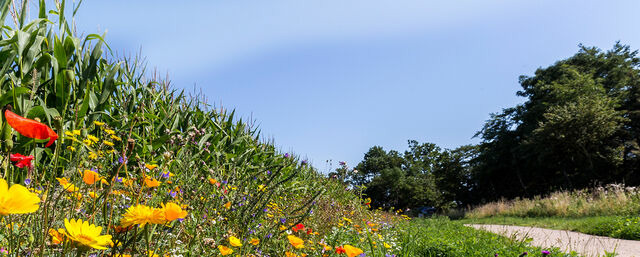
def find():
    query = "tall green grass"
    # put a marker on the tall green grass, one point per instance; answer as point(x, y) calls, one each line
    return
point(609, 200)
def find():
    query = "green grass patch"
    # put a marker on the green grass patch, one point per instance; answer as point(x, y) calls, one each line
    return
point(442, 237)
point(624, 227)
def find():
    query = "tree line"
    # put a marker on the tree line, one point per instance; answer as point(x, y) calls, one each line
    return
point(578, 127)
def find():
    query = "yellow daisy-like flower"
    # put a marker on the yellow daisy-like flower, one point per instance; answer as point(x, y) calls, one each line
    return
point(109, 132)
point(142, 215)
point(76, 132)
point(224, 250)
point(116, 138)
point(151, 166)
point(297, 242)
point(109, 143)
point(71, 148)
point(93, 138)
point(352, 251)
point(85, 234)
point(93, 156)
point(234, 241)
point(173, 212)
point(68, 133)
point(87, 142)
point(254, 241)
point(17, 199)
point(98, 123)
point(90, 177)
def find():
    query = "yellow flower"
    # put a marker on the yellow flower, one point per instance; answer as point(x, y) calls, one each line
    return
point(98, 123)
point(296, 241)
point(76, 132)
point(86, 234)
point(386, 245)
point(212, 181)
point(68, 133)
point(109, 131)
point(227, 205)
point(109, 143)
point(234, 241)
point(225, 250)
point(352, 251)
point(87, 142)
point(254, 241)
point(116, 138)
point(67, 185)
point(93, 156)
point(90, 177)
point(92, 194)
point(93, 138)
point(142, 215)
point(17, 199)
point(151, 182)
point(173, 212)
point(57, 236)
point(290, 254)
point(151, 166)
point(71, 148)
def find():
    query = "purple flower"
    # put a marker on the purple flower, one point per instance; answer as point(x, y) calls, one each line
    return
point(173, 193)
point(304, 162)
point(164, 175)
point(342, 163)
point(545, 253)
point(286, 155)
point(268, 172)
point(283, 220)
point(269, 235)
point(27, 181)
point(122, 160)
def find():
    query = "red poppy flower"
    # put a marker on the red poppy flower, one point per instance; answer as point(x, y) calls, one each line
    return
point(340, 250)
point(22, 161)
point(309, 231)
point(30, 128)
point(298, 227)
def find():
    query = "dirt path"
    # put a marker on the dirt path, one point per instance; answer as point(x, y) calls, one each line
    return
point(586, 245)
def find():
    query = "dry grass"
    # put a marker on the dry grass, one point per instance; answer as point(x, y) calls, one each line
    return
point(614, 199)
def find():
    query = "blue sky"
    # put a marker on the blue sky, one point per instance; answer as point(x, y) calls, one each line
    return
point(329, 79)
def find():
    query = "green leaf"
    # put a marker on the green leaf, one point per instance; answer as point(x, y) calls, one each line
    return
point(7, 97)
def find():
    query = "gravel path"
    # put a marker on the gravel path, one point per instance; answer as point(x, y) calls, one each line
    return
point(586, 245)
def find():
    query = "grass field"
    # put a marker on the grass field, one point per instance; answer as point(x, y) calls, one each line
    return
point(624, 227)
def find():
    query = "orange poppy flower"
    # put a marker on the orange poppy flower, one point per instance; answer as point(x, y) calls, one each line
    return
point(30, 128)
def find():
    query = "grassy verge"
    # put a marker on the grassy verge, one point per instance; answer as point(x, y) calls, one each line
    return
point(624, 227)
point(441, 237)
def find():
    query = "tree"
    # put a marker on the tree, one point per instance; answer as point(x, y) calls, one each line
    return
point(578, 126)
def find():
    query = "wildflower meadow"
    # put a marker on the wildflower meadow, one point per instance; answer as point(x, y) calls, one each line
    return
point(99, 158)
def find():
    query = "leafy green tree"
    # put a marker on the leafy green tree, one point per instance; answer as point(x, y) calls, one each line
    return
point(578, 126)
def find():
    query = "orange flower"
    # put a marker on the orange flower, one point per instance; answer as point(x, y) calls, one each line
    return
point(57, 236)
point(295, 241)
point(340, 250)
point(151, 182)
point(224, 250)
point(352, 251)
point(90, 177)
point(173, 212)
point(30, 128)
